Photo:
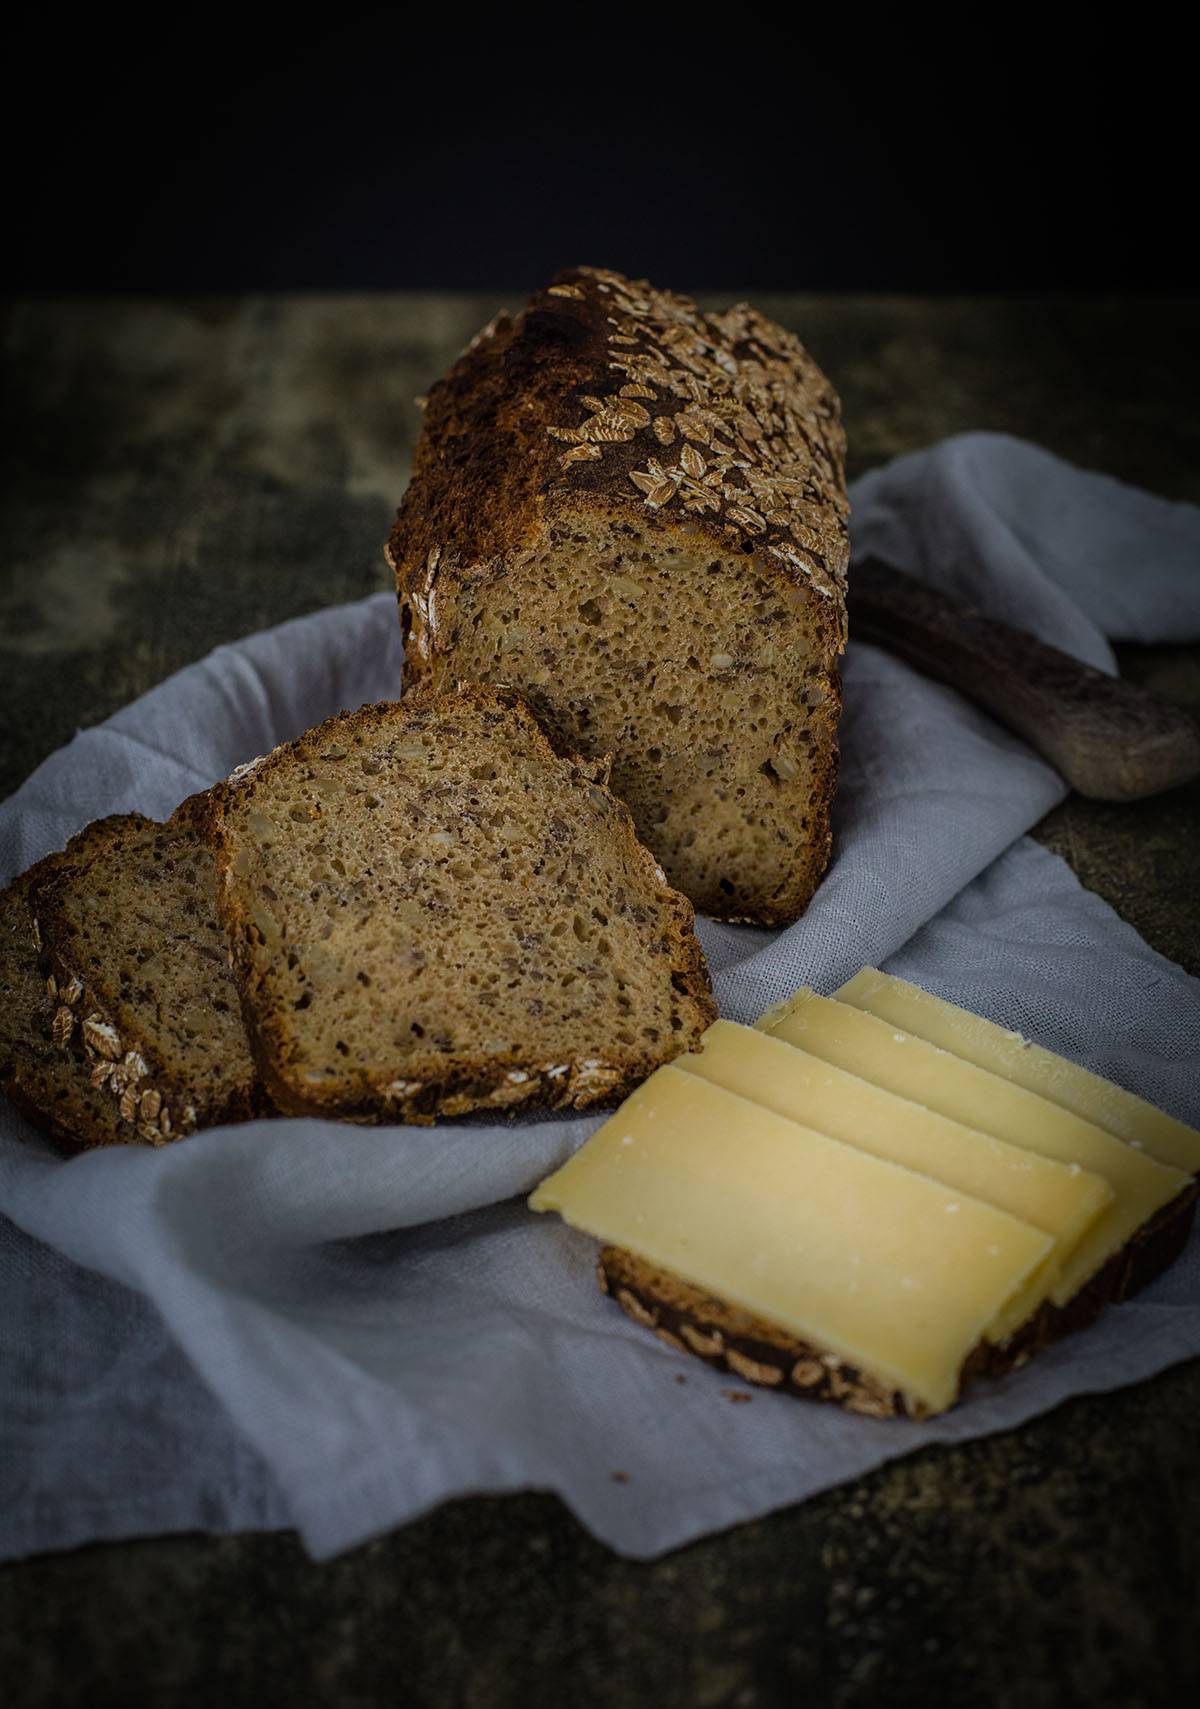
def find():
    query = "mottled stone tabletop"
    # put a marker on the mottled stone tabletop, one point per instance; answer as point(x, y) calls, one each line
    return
point(183, 472)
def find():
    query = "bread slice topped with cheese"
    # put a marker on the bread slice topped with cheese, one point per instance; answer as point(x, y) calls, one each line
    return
point(634, 512)
point(433, 911)
point(145, 1011)
point(880, 1285)
point(1065, 1201)
point(833, 1208)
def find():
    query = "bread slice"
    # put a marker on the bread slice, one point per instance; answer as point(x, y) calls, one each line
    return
point(692, 1320)
point(146, 1009)
point(729, 1338)
point(41, 1079)
point(635, 513)
point(434, 911)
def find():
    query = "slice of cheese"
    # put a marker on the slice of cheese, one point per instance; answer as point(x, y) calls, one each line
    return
point(864, 1045)
point(1059, 1198)
point(1030, 1065)
point(893, 1273)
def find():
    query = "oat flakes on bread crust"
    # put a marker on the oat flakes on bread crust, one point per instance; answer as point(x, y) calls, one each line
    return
point(635, 514)
point(41, 1079)
point(433, 910)
point(145, 1006)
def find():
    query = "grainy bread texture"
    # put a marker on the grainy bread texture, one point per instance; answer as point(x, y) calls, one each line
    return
point(145, 1005)
point(36, 1074)
point(635, 514)
point(435, 911)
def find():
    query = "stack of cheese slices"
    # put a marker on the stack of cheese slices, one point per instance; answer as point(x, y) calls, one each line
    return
point(869, 1198)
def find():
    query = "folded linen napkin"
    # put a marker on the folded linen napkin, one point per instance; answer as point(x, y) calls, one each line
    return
point(300, 1323)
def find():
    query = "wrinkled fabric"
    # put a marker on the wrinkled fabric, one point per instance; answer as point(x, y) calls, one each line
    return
point(298, 1323)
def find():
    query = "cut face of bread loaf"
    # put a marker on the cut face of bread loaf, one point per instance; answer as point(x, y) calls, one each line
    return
point(433, 911)
point(635, 514)
point(146, 1009)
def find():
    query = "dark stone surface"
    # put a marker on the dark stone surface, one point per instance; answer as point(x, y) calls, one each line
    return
point(187, 472)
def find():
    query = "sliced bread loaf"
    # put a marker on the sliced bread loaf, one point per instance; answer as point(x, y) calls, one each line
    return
point(635, 514)
point(145, 1001)
point(434, 911)
point(35, 1072)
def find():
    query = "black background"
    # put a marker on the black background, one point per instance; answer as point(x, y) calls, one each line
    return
point(218, 150)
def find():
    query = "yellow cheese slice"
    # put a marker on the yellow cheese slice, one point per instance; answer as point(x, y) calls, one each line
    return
point(1030, 1065)
point(864, 1045)
point(1060, 1198)
point(893, 1273)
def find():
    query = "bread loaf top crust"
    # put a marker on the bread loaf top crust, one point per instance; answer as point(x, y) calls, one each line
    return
point(607, 388)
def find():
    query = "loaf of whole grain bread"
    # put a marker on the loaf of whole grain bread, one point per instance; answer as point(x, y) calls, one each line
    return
point(635, 513)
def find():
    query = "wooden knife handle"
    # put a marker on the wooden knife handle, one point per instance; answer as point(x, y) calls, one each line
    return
point(1108, 738)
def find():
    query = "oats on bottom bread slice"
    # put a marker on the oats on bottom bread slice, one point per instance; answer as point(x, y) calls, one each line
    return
point(435, 911)
point(41, 1079)
point(145, 1002)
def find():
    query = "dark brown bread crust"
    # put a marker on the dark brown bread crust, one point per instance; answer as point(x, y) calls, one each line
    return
point(606, 393)
point(462, 1086)
point(693, 1321)
point(1156, 1246)
point(502, 433)
point(145, 1099)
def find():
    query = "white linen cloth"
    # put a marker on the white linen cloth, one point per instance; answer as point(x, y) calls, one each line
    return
point(300, 1323)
